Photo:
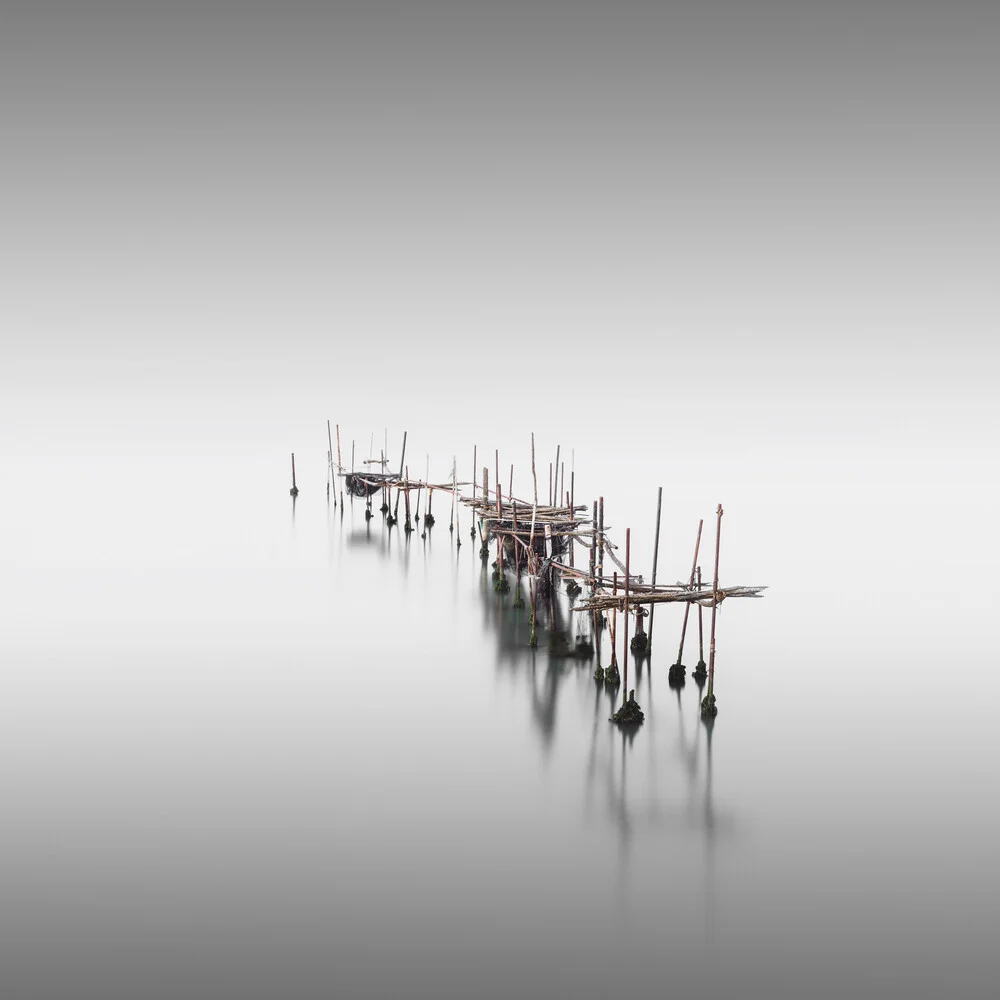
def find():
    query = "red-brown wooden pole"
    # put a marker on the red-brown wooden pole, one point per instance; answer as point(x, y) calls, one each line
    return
point(687, 605)
point(628, 534)
point(701, 630)
point(708, 706)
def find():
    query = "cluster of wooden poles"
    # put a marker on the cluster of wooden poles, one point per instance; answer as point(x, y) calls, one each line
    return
point(539, 540)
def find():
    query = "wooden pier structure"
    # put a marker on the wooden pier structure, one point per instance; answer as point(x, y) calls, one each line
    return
point(536, 542)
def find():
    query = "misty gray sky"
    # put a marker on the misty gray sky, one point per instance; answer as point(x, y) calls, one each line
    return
point(250, 181)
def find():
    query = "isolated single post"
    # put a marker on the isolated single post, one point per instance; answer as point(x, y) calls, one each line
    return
point(294, 491)
point(708, 706)
point(402, 458)
point(656, 553)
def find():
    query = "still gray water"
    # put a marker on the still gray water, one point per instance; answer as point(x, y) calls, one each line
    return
point(264, 750)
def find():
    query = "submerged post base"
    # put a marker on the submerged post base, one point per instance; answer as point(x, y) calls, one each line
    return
point(599, 673)
point(639, 644)
point(611, 675)
point(709, 710)
point(630, 714)
point(676, 672)
point(558, 645)
point(700, 672)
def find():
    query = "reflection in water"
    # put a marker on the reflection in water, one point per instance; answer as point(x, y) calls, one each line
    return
point(655, 808)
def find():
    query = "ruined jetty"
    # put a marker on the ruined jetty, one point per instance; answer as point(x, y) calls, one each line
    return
point(535, 546)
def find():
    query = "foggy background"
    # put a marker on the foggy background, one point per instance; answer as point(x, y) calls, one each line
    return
point(743, 251)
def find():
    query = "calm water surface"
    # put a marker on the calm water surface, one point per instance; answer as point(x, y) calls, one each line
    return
point(272, 751)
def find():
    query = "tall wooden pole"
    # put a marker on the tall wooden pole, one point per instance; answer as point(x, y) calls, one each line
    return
point(402, 458)
point(294, 491)
point(496, 459)
point(656, 553)
point(687, 605)
point(614, 621)
point(708, 706)
point(628, 534)
point(329, 441)
point(701, 631)
point(600, 540)
point(532, 562)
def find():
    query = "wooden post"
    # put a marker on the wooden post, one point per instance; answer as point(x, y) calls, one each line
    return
point(294, 491)
point(474, 467)
point(572, 514)
point(407, 525)
point(593, 550)
point(532, 562)
point(454, 482)
point(614, 621)
point(701, 631)
point(656, 553)
point(628, 533)
point(329, 454)
point(340, 469)
point(600, 541)
point(708, 706)
point(496, 458)
point(550, 484)
point(402, 458)
point(687, 604)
